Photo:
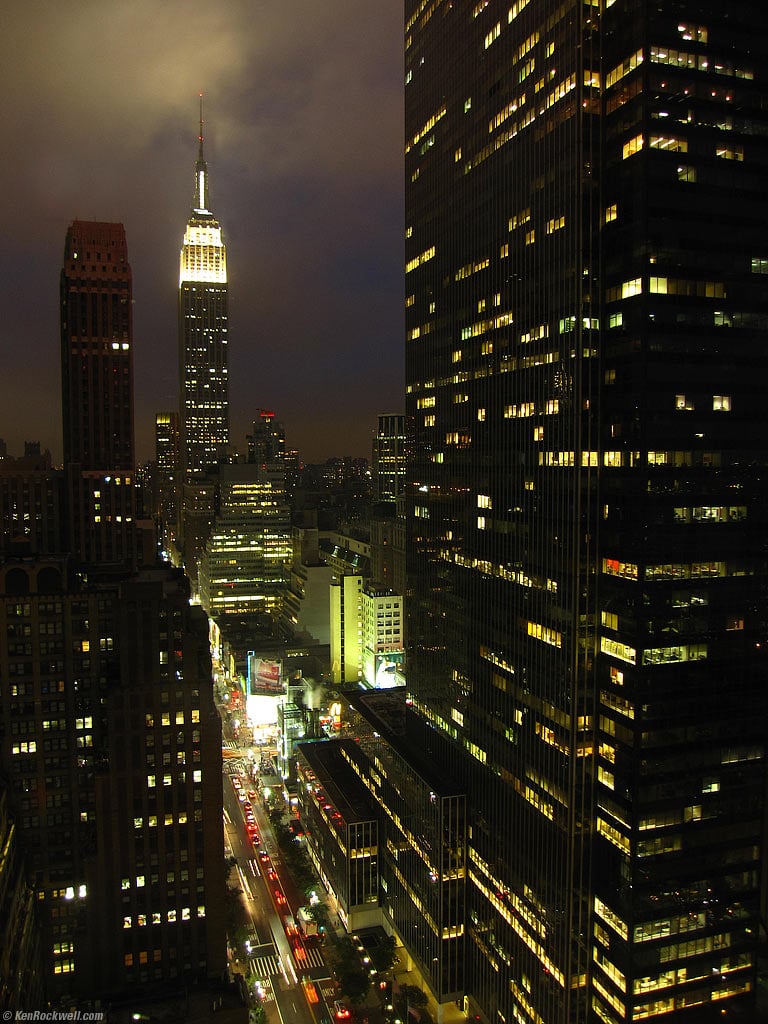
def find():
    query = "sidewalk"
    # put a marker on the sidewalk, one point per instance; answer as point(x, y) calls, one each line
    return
point(371, 1009)
point(449, 1013)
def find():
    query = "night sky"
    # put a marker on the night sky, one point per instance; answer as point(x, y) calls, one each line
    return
point(303, 139)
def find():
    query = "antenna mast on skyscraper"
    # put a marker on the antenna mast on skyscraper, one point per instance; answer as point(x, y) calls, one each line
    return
point(200, 136)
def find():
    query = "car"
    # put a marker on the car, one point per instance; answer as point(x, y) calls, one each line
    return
point(340, 1011)
point(310, 990)
point(263, 856)
point(271, 874)
point(279, 896)
point(248, 807)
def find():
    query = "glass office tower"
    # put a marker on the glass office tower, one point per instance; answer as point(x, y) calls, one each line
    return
point(586, 343)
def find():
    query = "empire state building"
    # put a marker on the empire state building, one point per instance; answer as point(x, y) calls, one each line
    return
point(204, 384)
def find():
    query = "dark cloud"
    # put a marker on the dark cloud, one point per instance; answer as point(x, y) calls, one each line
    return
point(303, 108)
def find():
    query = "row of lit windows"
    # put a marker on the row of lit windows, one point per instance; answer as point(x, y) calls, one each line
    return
point(426, 128)
point(165, 717)
point(181, 757)
point(67, 893)
point(680, 570)
point(140, 880)
point(672, 144)
point(699, 62)
point(482, 327)
point(551, 407)
point(25, 747)
point(612, 834)
point(180, 818)
point(417, 261)
point(168, 779)
point(720, 403)
point(666, 286)
point(545, 634)
point(106, 643)
point(171, 916)
point(710, 514)
point(515, 920)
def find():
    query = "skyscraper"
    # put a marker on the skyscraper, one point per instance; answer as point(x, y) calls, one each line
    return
point(388, 514)
point(204, 385)
point(112, 747)
point(103, 664)
point(388, 463)
point(167, 480)
point(586, 342)
point(244, 568)
point(266, 442)
point(97, 392)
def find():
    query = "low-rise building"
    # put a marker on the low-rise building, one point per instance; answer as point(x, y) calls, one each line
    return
point(341, 830)
point(382, 636)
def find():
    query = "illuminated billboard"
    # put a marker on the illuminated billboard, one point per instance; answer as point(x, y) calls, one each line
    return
point(264, 676)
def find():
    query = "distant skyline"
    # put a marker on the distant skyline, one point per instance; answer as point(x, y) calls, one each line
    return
point(303, 130)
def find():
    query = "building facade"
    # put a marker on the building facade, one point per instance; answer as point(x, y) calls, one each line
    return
point(342, 830)
point(21, 973)
point(109, 740)
point(166, 486)
point(157, 867)
point(266, 441)
point(97, 392)
point(346, 630)
point(203, 354)
point(111, 746)
point(244, 568)
point(31, 505)
point(585, 346)
point(388, 463)
point(381, 614)
point(423, 827)
point(306, 611)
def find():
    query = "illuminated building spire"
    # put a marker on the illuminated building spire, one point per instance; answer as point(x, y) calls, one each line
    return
point(200, 200)
point(203, 366)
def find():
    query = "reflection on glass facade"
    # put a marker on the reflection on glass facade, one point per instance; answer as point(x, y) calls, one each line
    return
point(585, 350)
point(424, 832)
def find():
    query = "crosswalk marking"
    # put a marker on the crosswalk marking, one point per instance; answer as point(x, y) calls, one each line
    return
point(265, 966)
point(313, 958)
